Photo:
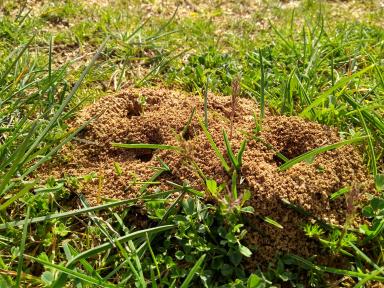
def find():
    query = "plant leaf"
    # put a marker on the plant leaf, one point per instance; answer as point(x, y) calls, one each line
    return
point(338, 193)
point(379, 182)
point(193, 272)
point(316, 151)
point(214, 147)
point(273, 222)
point(145, 146)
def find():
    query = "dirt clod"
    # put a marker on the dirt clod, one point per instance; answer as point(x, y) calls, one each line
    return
point(158, 116)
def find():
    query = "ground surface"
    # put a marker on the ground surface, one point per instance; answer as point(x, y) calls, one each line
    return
point(315, 68)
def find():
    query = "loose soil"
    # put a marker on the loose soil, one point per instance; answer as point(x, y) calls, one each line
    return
point(158, 116)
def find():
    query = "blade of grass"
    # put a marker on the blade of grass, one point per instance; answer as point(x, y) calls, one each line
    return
point(338, 193)
point(25, 47)
point(95, 219)
point(31, 149)
point(159, 67)
point(137, 29)
point(55, 149)
point(153, 279)
point(206, 103)
point(284, 39)
point(372, 118)
point(117, 269)
point(153, 256)
point(193, 272)
point(145, 146)
point(232, 157)
point(73, 273)
point(309, 265)
point(332, 77)
point(22, 248)
point(241, 152)
point(379, 182)
point(137, 271)
point(18, 155)
point(88, 267)
point(186, 188)
point(324, 96)
point(363, 256)
point(234, 184)
point(270, 146)
point(371, 149)
point(55, 117)
point(18, 195)
point(369, 277)
point(185, 129)
point(165, 25)
point(273, 222)
point(65, 102)
point(306, 97)
point(262, 87)
point(214, 147)
point(288, 98)
point(316, 151)
point(81, 211)
point(158, 173)
point(131, 248)
point(96, 250)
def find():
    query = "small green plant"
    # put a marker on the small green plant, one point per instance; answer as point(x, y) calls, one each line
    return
point(204, 231)
point(212, 233)
point(374, 211)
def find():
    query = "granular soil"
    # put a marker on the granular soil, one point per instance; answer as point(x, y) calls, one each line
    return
point(157, 116)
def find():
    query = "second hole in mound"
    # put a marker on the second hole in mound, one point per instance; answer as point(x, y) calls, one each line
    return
point(144, 155)
point(153, 136)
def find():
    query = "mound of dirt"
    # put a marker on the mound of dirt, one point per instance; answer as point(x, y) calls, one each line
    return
point(158, 117)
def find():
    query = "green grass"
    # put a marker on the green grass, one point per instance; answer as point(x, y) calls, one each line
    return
point(315, 61)
point(310, 155)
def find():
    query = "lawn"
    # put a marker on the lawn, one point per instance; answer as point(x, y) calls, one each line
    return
point(191, 143)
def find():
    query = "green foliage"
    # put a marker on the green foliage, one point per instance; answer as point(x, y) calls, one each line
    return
point(219, 67)
point(375, 211)
point(379, 182)
point(203, 230)
point(304, 62)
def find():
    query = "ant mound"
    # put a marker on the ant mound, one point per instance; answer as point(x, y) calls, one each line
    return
point(164, 117)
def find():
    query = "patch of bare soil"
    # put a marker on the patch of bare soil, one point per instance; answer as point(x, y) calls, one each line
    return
point(158, 116)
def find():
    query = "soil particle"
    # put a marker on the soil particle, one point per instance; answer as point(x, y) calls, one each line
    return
point(158, 116)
